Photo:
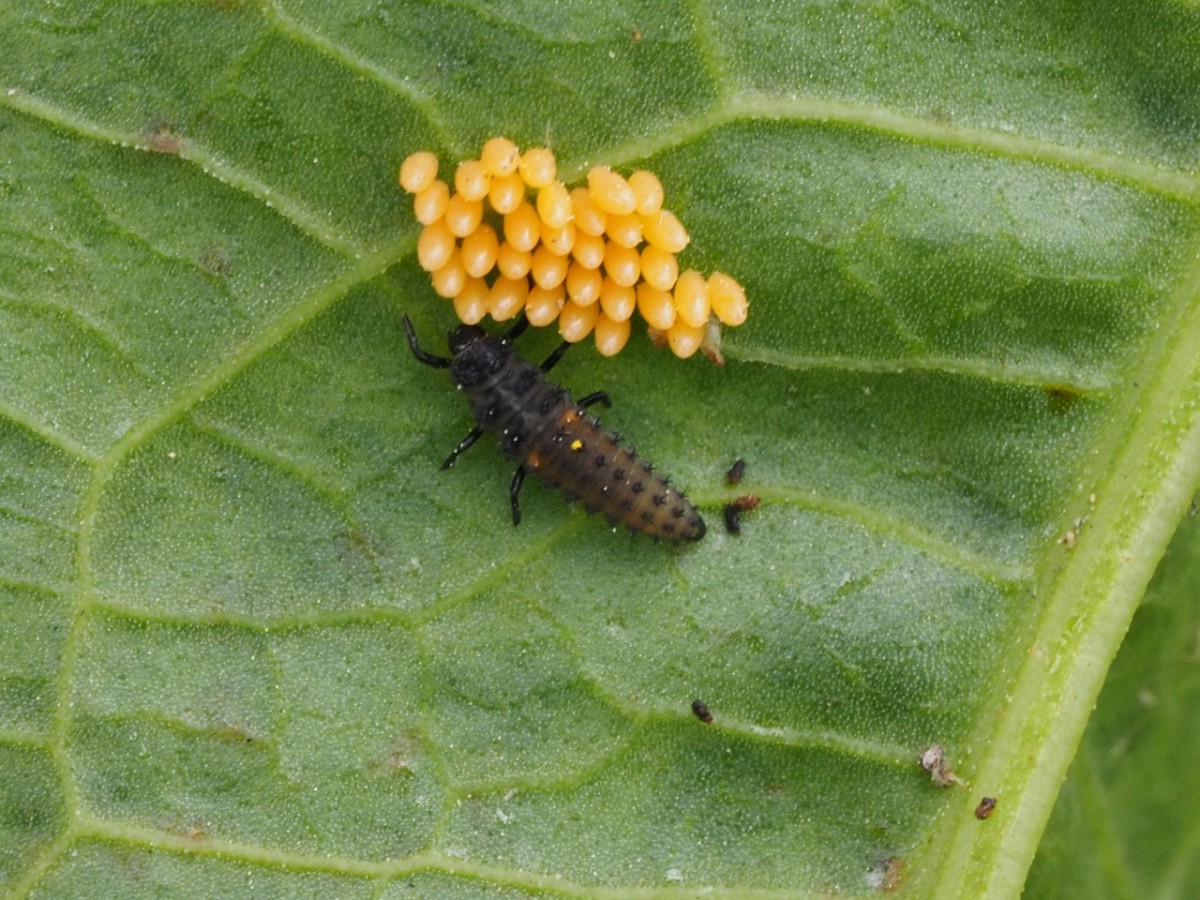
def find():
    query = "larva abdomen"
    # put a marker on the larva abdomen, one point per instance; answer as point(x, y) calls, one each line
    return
point(586, 463)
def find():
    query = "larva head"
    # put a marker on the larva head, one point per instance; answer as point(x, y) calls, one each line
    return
point(477, 356)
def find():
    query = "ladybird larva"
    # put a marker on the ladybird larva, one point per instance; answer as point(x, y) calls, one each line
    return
point(540, 427)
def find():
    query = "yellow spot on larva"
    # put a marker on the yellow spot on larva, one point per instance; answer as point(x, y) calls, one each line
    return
point(577, 445)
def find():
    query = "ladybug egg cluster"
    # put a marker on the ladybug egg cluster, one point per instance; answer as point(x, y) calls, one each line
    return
point(511, 237)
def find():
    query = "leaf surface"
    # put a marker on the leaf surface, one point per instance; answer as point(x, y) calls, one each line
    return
point(258, 644)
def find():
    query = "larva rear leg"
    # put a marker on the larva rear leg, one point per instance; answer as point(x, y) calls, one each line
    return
point(514, 492)
point(598, 397)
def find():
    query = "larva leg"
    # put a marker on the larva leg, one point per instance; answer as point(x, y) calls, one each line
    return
point(517, 330)
point(429, 359)
point(553, 358)
point(463, 446)
point(514, 492)
point(598, 397)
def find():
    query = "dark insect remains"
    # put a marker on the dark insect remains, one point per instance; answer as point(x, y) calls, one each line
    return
point(545, 431)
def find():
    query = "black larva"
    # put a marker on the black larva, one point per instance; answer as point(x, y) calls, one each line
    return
point(545, 431)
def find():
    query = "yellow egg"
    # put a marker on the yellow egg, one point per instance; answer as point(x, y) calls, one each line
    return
point(548, 269)
point(648, 190)
point(471, 303)
point(471, 179)
point(522, 227)
point(588, 250)
point(543, 305)
point(684, 339)
point(500, 156)
point(589, 218)
point(559, 240)
point(479, 251)
point(507, 297)
point(506, 193)
point(624, 230)
point(418, 171)
point(611, 336)
point(657, 307)
point(430, 204)
point(511, 262)
point(450, 278)
point(663, 230)
point(576, 322)
point(611, 192)
point(659, 268)
point(462, 215)
point(622, 264)
point(434, 246)
point(728, 299)
point(617, 301)
point(583, 285)
point(691, 298)
point(554, 205)
point(538, 167)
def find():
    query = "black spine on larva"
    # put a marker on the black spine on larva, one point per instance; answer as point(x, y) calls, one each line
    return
point(539, 426)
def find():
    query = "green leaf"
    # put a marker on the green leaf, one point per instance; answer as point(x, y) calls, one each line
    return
point(256, 644)
point(1124, 825)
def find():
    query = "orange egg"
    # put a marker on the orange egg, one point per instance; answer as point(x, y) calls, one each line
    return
point(548, 269)
point(611, 192)
point(624, 230)
point(471, 179)
point(418, 171)
point(583, 285)
point(462, 215)
point(617, 301)
point(507, 297)
point(554, 205)
point(479, 251)
point(589, 218)
point(559, 240)
point(659, 268)
point(611, 336)
point(691, 298)
point(588, 250)
point(657, 307)
point(622, 264)
point(576, 322)
point(543, 305)
point(728, 299)
point(522, 227)
point(500, 156)
point(665, 231)
point(648, 192)
point(450, 278)
point(506, 193)
point(434, 246)
point(684, 339)
point(471, 303)
point(511, 262)
point(430, 204)
point(538, 167)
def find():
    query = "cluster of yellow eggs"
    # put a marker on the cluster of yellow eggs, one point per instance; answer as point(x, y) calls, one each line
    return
point(511, 237)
